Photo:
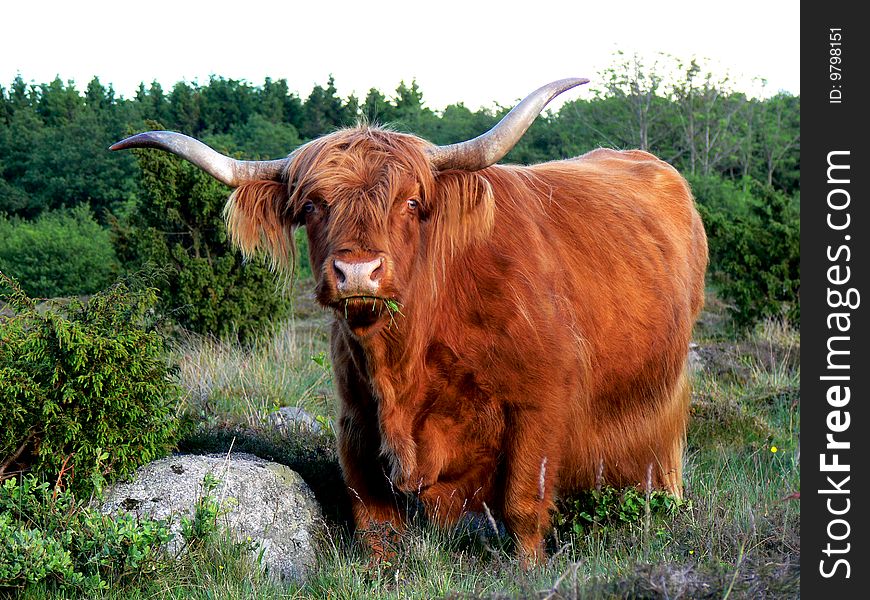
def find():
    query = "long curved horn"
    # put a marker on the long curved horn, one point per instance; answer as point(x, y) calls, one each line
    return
point(489, 148)
point(227, 170)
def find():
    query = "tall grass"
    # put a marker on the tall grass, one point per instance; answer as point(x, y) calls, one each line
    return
point(225, 381)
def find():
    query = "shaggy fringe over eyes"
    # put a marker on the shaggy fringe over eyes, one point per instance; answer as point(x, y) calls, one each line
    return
point(345, 166)
point(365, 160)
point(257, 221)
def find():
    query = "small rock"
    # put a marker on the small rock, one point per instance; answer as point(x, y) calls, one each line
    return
point(261, 500)
point(696, 361)
point(292, 418)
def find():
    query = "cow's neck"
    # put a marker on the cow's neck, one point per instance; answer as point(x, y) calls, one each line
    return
point(394, 356)
point(395, 351)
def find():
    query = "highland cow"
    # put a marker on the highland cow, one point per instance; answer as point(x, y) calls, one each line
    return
point(502, 334)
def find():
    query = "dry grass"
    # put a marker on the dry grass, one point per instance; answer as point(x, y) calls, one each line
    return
point(226, 381)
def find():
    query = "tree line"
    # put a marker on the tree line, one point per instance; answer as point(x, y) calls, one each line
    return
point(53, 138)
point(738, 152)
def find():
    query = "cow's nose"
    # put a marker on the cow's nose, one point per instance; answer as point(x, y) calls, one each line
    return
point(361, 277)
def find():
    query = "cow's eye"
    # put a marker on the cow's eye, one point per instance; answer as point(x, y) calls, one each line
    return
point(308, 207)
point(412, 204)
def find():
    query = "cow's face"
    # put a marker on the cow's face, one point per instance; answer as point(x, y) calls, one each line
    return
point(365, 201)
point(381, 220)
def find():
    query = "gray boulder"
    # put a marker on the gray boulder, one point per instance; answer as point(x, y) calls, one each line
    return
point(261, 500)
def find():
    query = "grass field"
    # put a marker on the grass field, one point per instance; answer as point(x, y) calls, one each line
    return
point(736, 536)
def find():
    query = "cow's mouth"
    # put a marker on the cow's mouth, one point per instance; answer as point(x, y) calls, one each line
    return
point(361, 312)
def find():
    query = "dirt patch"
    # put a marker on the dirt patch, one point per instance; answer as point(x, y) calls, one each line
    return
point(735, 360)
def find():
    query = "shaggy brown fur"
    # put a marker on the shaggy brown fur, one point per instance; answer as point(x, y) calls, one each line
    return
point(545, 317)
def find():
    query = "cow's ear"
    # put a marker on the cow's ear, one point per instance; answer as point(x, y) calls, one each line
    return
point(258, 221)
point(463, 210)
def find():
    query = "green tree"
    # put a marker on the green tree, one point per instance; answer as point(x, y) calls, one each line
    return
point(755, 253)
point(225, 103)
point(178, 224)
point(20, 96)
point(710, 113)
point(458, 123)
point(270, 99)
point(375, 109)
point(184, 111)
point(83, 386)
point(260, 138)
point(778, 136)
point(61, 253)
point(68, 164)
point(323, 111)
point(152, 103)
point(5, 107)
point(409, 112)
point(58, 104)
point(632, 110)
point(19, 140)
point(97, 97)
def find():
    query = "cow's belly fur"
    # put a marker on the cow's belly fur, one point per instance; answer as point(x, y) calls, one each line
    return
point(457, 432)
point(462, 437)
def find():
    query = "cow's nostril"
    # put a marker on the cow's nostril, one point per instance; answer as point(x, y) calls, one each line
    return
point(340, 276)
point(378, 271)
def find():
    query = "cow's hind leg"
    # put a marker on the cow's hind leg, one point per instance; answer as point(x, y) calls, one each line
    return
point(671, 466)
point(665, 443)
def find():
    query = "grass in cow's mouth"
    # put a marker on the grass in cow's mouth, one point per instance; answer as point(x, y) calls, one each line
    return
point(392, 306)
point(357, 300)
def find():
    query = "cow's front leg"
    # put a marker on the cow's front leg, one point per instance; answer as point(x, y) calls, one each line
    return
point(532, 460)
point(376, 513)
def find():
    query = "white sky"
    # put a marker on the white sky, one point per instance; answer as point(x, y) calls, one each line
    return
point(475, 52)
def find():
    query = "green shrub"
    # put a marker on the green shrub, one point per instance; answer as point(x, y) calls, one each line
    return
point(179, 224)
point(61, 253)
point(754, 239)
point(723, 196)
point(607, 508)
point(77, 378)
point(48, 537)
